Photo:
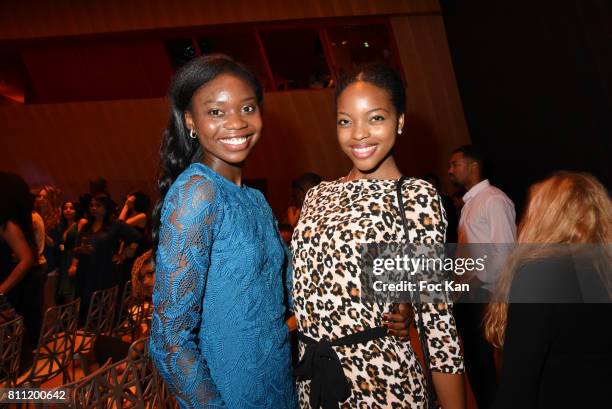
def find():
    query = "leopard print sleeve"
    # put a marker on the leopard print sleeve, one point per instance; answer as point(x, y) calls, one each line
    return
point(441, 334)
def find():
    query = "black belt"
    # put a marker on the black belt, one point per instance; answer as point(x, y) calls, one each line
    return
point(321, 365)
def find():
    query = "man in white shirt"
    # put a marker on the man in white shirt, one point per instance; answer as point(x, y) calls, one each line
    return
point(487, 217)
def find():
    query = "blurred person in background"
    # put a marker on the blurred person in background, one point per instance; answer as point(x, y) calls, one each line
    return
point(487, 217)
point(98, 242)
point(47, 205)
point(68, 241)
point(552, 309)
point(19, 258)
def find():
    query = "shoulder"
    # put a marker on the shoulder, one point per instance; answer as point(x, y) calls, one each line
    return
point(193, 181)
point(422, 196)
point(415, 186)
point(191, 191)
point(37, 219)
point(495, 196)
point(551, 279)
point(322, 189)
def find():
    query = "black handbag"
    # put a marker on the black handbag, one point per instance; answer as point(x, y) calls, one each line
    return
point(418, 306)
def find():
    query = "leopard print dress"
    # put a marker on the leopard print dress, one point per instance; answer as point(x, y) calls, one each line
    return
point(336, 217)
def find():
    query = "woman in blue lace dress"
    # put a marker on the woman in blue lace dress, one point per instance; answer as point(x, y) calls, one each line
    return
point(218, 337)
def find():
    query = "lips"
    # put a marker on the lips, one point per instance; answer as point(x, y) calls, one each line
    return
point(363, 151)
point(236, 143)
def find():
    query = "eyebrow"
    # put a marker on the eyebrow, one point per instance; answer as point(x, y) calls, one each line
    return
point(212, 101)
point(371, 110)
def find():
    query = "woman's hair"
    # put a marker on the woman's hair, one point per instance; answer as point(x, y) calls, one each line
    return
point(139, 289)
point(17, 205)
point(567, 207)
point(142, 202)
point(84, 202)
point(51, 215)
point(178, 150)
point(380, 75)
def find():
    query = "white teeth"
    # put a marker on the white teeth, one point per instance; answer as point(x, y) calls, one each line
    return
point(365, 149)
point(233, 141)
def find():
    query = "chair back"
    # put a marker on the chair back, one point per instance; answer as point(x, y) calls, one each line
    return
point(55, 348)
point(99, 319)
point(138, 358)
point(130, 314)
point(116, 386)
point(11, 336)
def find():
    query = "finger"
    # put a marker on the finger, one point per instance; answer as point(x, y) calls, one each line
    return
point(397, 326)
point(402, 333)
point(397, 318)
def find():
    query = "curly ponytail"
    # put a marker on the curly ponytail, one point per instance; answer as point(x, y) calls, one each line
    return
point(178, 150)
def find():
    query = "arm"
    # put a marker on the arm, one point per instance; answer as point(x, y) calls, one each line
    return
point(81, 224)
point(13, 236)
point(445, 358)
point(140, 220)
point(501, 215)
point(183, 256)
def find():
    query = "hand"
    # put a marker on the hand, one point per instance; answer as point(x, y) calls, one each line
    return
point(72, 270)
point(398, 322)
point(129, 202)
point(292, 323)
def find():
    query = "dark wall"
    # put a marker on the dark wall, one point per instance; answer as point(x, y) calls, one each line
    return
point(535, 79)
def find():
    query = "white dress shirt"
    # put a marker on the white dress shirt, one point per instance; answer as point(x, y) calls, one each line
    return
point(488, 216)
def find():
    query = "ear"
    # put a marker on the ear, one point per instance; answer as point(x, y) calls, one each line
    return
point(189, 120)
point(400, 123)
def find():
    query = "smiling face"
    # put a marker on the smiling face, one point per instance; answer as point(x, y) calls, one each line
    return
point(226, 117)
point(367, 125)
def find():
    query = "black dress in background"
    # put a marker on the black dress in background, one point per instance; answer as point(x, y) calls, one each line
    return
point(556, 355)
point(96, 270)
point(26, 298)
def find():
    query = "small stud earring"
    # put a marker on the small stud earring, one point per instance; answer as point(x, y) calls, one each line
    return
point(399, 131)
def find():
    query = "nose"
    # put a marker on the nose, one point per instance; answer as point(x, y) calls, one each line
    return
point(360, 132)
point(234, 122)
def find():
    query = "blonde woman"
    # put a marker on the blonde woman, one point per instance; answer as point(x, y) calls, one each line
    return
point(557, 353)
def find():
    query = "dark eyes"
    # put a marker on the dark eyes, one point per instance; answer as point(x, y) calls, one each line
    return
point(216, 112)
point(345, 122)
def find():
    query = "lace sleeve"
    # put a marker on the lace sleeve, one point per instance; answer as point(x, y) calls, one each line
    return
point(440, 328)
point(183, 258)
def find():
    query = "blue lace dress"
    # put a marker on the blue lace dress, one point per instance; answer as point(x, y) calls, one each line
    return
point(218, 336)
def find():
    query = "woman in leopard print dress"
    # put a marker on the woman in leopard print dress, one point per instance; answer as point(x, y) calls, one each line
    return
point(362, 207)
